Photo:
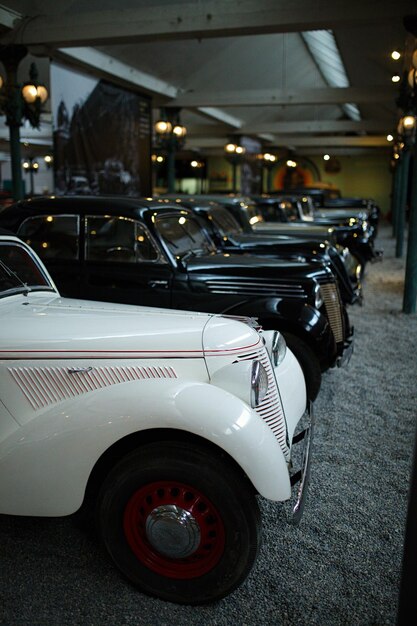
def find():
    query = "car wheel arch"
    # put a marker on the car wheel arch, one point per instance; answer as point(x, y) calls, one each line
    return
point(134, 441)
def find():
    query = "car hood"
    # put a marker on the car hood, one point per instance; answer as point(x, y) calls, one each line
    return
point(251, 266)
point(44, 326)
point(299, 229)
point(280, 245)
point(340, 214)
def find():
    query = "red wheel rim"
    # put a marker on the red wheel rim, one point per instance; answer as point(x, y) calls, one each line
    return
point(197, 507)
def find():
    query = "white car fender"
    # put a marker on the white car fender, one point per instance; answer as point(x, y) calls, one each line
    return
point(45, 464)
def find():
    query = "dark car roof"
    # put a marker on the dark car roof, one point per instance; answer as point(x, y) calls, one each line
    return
point(91, 204)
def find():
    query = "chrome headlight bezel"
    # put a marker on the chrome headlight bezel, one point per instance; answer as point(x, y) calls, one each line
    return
point(259, 384)
point(247, 380)
point(275, 345)
point(318, 296)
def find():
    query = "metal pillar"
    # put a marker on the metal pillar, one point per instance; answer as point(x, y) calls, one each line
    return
point(171, 166)
point(11, 57)
point(395, 199)
point(399, 248)
point(410, 285)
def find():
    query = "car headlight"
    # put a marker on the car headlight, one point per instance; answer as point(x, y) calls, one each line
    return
point(247, 380)
point(318, 297)
point(259, 384)
point(365, 226)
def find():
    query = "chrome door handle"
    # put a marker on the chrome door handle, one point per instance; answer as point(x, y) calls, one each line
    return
point(79, 370)
point(158, 283)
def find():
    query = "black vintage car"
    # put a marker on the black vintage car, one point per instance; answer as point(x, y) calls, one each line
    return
point(257, 218)
point(323, 199)
point(352, 227)
point(145, 252)
point(229, 236)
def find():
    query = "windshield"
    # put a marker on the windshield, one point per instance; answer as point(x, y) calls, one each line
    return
point(19, 272)
point(225, 222)
point(183, 235)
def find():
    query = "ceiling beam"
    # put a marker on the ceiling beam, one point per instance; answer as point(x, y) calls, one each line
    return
point(109, 67)
point(313, 126)
point(195, 20)
point(283, 97)
point(123, 74)
point(316, 126)
point(8, 17)
point(296, 141)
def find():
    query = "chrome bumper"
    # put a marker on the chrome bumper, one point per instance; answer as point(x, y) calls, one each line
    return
point(301, 476)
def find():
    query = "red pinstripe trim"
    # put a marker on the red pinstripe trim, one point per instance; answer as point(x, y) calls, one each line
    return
point(132, 353)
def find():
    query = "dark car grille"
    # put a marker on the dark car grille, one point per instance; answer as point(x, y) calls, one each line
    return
point(256, 288)
point(333, 305)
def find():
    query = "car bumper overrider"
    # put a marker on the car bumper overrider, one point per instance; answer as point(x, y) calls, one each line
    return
point(300, 476)
point(347, 352)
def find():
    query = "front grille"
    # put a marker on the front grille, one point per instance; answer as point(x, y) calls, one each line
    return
point(334, 314)
point(256, 288)
point(270, 409)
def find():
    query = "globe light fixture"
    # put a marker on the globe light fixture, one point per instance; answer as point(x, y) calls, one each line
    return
point(234, 153)
point(19, 103)
point(169, 138)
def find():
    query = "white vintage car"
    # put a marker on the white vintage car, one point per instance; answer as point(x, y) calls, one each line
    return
point(171, 423)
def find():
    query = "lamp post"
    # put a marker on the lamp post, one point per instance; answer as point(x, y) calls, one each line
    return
point(234, 153)
point(170, 137)
point(409, 123)
point(19, 103)
point(31, 166)
point(268, 161)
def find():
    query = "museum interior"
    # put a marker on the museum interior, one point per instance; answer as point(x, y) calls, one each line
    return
point(219, 165)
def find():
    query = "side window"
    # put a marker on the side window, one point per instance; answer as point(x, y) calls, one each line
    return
point(117, 239)
point(52, 236)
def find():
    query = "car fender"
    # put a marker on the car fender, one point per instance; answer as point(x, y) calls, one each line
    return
point(293, 316)
point(46, 463)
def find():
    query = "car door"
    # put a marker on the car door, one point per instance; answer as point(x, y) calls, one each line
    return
point(123, 263)
point(56, 239)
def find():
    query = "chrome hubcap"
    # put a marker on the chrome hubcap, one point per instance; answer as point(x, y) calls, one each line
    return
point(172, 531)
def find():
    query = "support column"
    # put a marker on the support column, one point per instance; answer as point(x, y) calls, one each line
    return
point(395, 197)
point(410, 286)
point(171, 168)
point(399, 248)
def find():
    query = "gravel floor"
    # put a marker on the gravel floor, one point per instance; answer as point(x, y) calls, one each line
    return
point(341, 566)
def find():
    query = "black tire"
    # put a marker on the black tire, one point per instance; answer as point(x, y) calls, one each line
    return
point(309, 364)
point(199, 558)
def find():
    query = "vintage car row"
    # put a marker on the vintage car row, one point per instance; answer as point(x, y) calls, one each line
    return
point(268, 215)
point(166, 423)
point(229, 236)
point(155, 253)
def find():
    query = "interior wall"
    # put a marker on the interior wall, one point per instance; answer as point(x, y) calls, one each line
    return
point(366, 176)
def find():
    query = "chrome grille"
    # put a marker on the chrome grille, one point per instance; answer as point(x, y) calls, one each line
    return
point(270, 409)
point(258, 287)
point(332, 302)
